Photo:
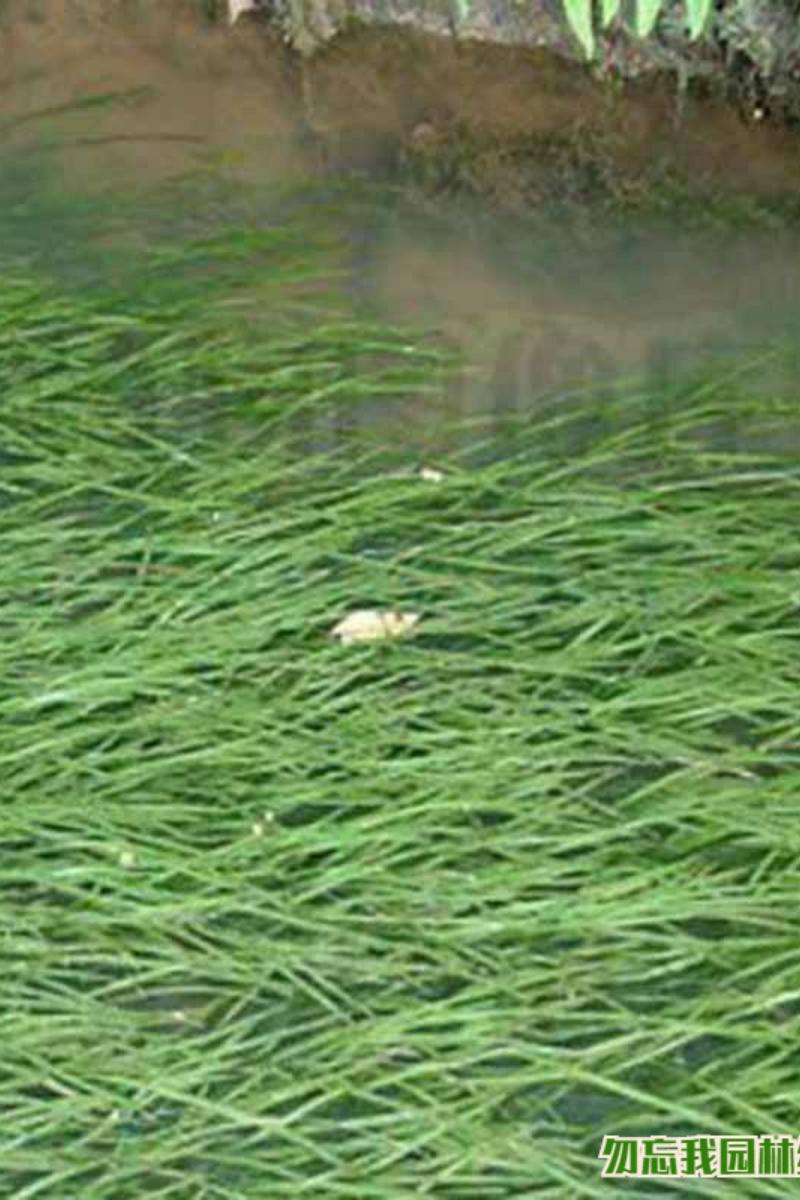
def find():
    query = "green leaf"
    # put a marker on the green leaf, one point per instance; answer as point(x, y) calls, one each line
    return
point(579, 16)
point(697, 12)
point(646, 14)
point(608, 10)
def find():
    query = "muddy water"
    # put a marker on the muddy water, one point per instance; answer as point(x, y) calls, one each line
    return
point(119, 131)
point(565, 317)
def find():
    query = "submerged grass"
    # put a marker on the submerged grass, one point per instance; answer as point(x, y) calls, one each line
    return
point(423, 918)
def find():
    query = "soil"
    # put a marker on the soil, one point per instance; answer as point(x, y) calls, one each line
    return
point(499, 119)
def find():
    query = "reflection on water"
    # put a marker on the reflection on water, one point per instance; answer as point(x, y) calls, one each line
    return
point(540, 309)
point(118, 139)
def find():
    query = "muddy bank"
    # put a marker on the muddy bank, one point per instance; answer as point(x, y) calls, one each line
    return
point(748, 50)
point(130, 94)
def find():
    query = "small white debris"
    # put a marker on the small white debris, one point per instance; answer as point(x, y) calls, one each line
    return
point(431, 474)
point(370, 625)
point(424, 137)
point(259, 828)
point(237, 7)
point(127, 860)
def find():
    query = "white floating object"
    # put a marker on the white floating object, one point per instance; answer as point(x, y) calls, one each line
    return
point(370, 625)
point(431, 474)
point(237, 7)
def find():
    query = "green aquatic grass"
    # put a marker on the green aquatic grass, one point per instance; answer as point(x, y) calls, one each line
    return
point(423, 918)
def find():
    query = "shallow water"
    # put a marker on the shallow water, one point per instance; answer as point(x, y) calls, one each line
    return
point(122, 137)
point(191, 131)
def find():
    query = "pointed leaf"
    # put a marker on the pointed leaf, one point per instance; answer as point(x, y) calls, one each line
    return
point(646, 16)
point(608, 10)
point(697, 12)
point(237, 7)
point(579, 15)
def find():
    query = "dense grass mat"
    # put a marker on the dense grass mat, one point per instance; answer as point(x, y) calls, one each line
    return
point(425, 917)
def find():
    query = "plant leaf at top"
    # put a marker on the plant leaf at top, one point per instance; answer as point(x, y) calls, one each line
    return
point(697, 12)
point(579, 16)
point(608, 10)
point(646, 16)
